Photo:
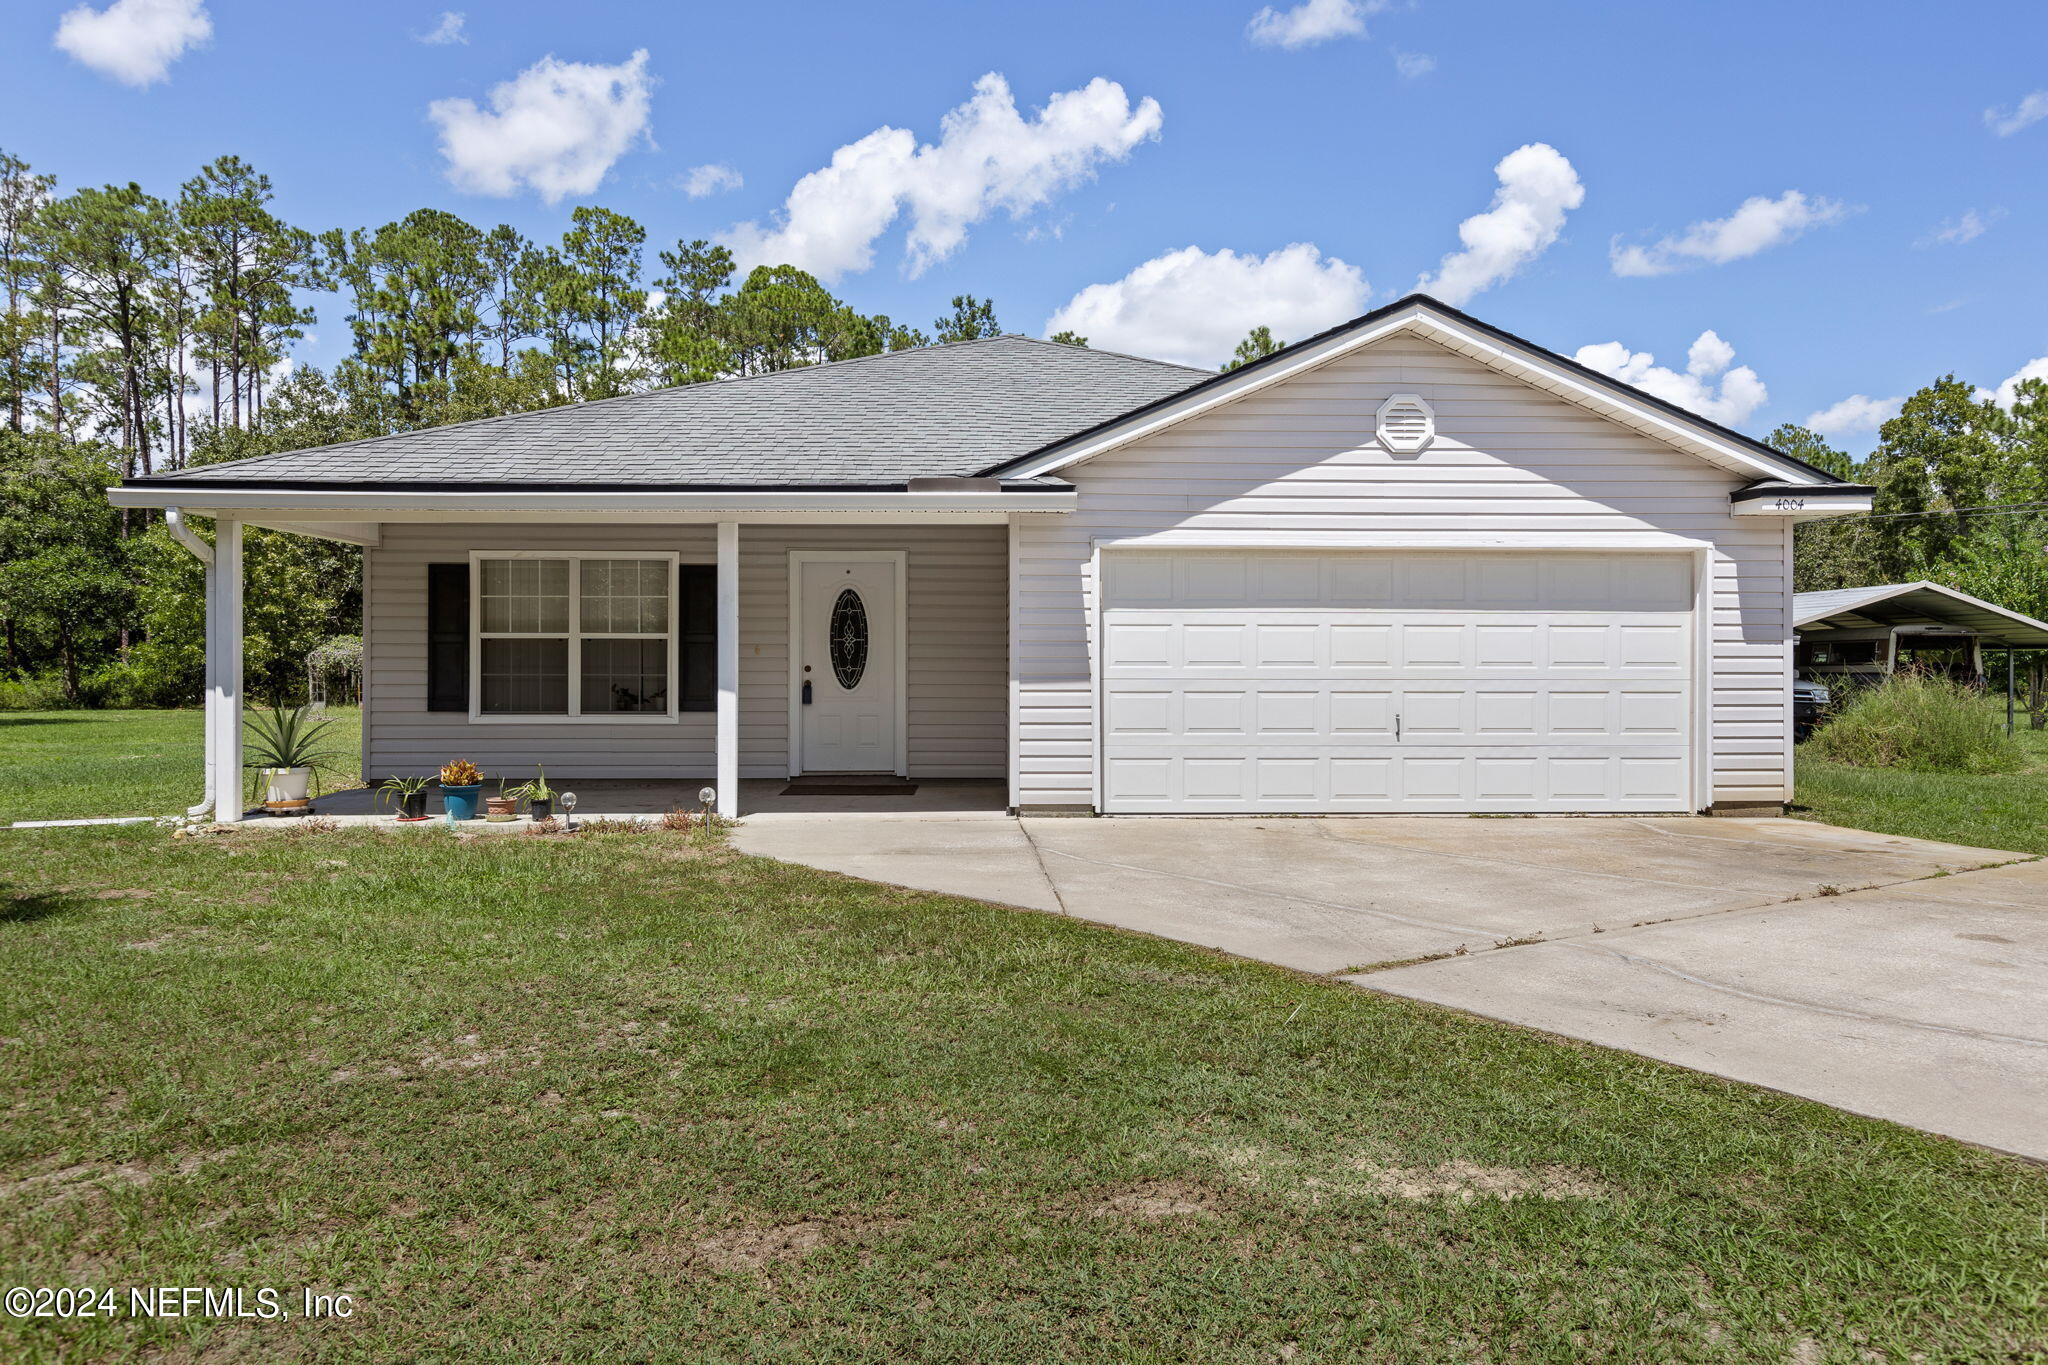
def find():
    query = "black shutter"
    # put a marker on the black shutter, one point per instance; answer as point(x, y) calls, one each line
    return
point(447, 637)
point(697, 635)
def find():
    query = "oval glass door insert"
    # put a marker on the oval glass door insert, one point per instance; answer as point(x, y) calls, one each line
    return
point(849, 639)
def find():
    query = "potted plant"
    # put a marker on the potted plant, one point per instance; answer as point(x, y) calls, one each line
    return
point(538, 795)
point(409, 794)
point(461, 780)
point(284, 748)
point(502, 807)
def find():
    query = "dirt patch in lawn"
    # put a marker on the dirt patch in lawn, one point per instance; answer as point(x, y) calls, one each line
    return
point(1315, 1182)
point(1469, 1180)
point(1152, 1200)
point(48, 1188)
point(755, 1248)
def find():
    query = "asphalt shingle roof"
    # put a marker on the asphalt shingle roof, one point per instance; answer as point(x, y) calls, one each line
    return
point(938, 410)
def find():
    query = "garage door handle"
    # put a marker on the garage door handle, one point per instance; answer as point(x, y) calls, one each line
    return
point(1397, 727)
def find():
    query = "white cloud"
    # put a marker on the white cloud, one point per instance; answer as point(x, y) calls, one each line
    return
point(134, 41)
point(1966, 227)
point(1756, 225)
point(1854, 415)
point(1311, 22)
point(2025, 114)
point(702, 181)
point(988, 157)
point(1414, 65)
point(1708, 387)
point(449, 30)
point(2008, 393)
point(1537, 188)
point(556, 128)
point(1194, 306)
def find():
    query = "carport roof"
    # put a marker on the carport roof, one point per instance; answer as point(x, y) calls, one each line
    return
point(1896, 603)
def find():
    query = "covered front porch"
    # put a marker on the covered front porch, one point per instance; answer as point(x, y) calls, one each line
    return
point(639, 658)
point(759, 798)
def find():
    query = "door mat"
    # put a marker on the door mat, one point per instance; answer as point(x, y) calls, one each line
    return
point(840, 786)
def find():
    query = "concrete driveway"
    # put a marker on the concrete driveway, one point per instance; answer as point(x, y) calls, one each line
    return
point(1894, 977)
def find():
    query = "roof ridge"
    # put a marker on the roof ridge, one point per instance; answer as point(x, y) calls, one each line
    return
point(1097, 350)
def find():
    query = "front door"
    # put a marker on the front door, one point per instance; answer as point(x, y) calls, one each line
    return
point(847, 632)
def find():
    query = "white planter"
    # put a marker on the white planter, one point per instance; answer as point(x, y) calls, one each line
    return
point(285, 784)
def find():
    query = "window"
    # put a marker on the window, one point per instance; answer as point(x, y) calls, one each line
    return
point(849, 639)
point(585, 637)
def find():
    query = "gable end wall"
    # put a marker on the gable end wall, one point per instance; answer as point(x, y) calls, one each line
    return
point(1299, 461)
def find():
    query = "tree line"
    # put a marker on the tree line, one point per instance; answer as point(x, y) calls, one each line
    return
point(1961, 498)
point(145, 333)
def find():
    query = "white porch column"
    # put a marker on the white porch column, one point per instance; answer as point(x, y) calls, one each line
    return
point(728, 781)
point(224, 669)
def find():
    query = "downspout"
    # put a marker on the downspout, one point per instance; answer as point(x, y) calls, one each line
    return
point(174, 521)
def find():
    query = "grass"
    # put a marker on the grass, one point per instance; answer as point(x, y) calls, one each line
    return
point(70, 765)
point(2007, 811)
point(622, 1095)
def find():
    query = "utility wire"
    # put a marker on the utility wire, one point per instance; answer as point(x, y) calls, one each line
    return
point(2003, 508)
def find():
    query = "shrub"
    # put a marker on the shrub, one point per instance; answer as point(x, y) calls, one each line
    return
point(1919, 723)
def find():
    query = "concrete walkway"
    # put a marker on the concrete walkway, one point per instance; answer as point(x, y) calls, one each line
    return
point(1879, 974)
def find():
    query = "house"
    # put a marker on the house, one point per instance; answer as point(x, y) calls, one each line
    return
point(1413, 563)
point(1866, 634)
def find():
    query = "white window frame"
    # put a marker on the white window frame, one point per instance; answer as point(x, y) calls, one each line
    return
point(574, 715)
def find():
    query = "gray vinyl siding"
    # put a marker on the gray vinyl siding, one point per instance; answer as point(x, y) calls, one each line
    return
point(1299, 459)
point(958, 660)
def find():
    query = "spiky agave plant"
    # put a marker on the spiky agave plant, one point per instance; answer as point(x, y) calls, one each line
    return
point(275, 737)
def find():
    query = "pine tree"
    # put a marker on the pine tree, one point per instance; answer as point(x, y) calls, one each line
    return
point(971, 320)
point(1258, 343)
point(22, 194)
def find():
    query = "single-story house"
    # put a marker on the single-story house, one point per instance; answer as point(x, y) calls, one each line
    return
point(1865, 634)
point(1413, 563)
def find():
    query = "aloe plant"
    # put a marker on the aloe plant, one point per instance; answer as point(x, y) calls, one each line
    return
point(394, 790)
point(536, 790)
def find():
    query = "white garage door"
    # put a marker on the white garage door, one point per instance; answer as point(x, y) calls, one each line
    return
point(1380, 681)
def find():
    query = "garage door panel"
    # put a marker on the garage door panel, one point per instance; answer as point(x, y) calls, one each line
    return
point(1377, 681)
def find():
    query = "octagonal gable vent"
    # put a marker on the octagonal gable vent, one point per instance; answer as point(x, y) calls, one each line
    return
point(1407, 424)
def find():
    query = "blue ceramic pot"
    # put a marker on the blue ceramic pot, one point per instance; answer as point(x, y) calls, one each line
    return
point(460, 802)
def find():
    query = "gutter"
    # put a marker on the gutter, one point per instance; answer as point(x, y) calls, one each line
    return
point(174, 519)
point(336, 498)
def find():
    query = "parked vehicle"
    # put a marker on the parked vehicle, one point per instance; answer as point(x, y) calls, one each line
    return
point(1810, 702)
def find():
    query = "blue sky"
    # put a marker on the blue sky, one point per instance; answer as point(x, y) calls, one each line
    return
point(1196, 169)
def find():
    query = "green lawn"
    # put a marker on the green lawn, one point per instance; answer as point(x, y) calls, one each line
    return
point(68, 765)
point(619, 1096)
point(2008, 811)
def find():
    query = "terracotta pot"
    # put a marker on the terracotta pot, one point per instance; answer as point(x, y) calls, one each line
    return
point(501, 808)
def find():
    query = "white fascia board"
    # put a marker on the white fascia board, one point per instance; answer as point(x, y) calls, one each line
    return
point(1802, 506)
point(1532, 369)
point(305, 505)
point(1542, 373)
point(1194, 405)
point(1186, 538)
